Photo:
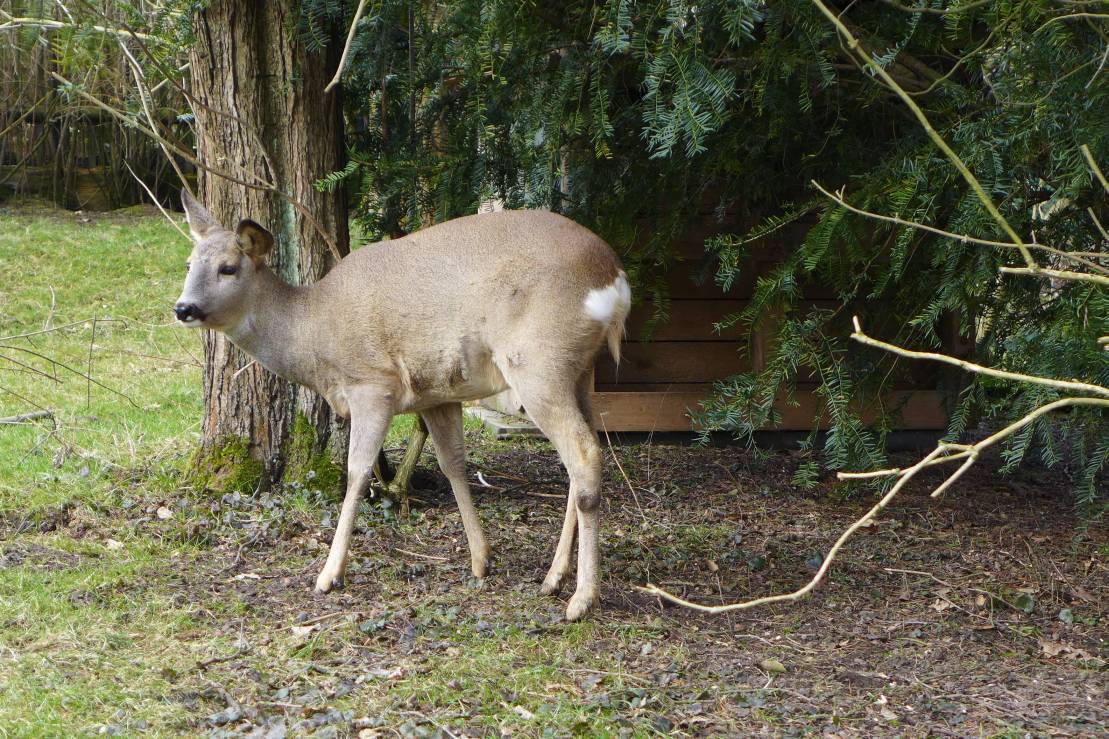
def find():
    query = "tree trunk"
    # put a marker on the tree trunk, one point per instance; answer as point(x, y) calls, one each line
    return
point(262, 116)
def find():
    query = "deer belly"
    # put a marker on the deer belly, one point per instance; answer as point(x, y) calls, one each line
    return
point(466, 374)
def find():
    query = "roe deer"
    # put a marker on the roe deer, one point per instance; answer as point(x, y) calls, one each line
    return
point(455, 312)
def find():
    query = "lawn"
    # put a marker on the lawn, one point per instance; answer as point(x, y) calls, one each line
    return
point(133, 602)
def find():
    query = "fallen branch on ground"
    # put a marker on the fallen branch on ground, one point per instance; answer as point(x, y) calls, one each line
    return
point(25, 417)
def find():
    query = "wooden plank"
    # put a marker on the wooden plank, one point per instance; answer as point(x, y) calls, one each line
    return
point(643, 411)
point(668, 411)
point(654, 387)
point(673, 361)
point(690, 320)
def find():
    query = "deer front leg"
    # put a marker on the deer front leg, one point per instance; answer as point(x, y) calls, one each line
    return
point(370, 414)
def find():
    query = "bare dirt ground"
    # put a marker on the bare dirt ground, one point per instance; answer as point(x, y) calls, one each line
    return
point(981, 614)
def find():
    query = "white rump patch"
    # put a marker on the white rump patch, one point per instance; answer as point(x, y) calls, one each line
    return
point(603, 303)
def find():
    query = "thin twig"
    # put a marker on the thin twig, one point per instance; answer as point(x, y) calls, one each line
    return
point(52, 329)
point(1093, 166)
point(154, 200)
point(620, 467)
point(88, 375)
point(421, 556)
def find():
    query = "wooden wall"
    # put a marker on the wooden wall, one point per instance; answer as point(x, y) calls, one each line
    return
point(660, 379)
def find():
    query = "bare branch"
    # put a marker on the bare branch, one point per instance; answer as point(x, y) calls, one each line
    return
point(15, 23)
point(346, 47)
point(1093, 166)
point(267, 186)
point(838, 198)
point(1068, 385)
point(939, 455)
point(820, 573)
point(1061, 274)
point(936, 11)
point(25, 417)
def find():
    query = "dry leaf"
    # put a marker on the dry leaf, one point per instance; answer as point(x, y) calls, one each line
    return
point(113, 544)
point(940, 605)
point(304, 630)
point(164, 513)
point(523, 713)
point(1052, 648)
point(1083, 594)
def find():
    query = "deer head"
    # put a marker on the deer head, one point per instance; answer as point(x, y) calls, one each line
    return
point(221, 272)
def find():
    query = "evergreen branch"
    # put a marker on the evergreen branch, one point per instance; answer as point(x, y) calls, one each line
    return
point(837, 197)
point(955, 159)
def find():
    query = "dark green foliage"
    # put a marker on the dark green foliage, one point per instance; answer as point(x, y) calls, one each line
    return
point(627, 115)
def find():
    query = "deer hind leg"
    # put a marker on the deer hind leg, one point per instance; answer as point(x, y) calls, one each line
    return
point(444, 423)
point(558, 414)
point(560, 565)
point(370, 414)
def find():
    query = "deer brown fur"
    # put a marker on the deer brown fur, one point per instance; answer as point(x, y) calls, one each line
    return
point(455, 312)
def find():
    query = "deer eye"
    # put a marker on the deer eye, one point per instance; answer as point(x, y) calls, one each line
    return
point(228, 269)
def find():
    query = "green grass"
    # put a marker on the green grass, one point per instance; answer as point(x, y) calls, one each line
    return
point(83, 652)
point(124, 272)
point(143, 400)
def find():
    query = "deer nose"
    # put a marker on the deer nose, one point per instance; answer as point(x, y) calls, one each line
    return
point(188, 311)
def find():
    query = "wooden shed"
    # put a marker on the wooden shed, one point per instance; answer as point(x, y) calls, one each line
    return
point(661, 378)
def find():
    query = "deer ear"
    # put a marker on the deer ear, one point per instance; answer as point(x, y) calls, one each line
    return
point(254, 240)
point(200, 221)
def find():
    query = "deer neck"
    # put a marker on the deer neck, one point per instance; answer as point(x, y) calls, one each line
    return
point(276, 330)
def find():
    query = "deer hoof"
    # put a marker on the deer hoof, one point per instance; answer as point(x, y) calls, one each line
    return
point(551, 585)
point(327, 582)
point(580, 605)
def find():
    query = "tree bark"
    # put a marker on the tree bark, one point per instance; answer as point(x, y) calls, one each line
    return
point(263, 117)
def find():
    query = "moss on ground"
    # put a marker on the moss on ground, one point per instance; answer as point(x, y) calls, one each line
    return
point(306, 461)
